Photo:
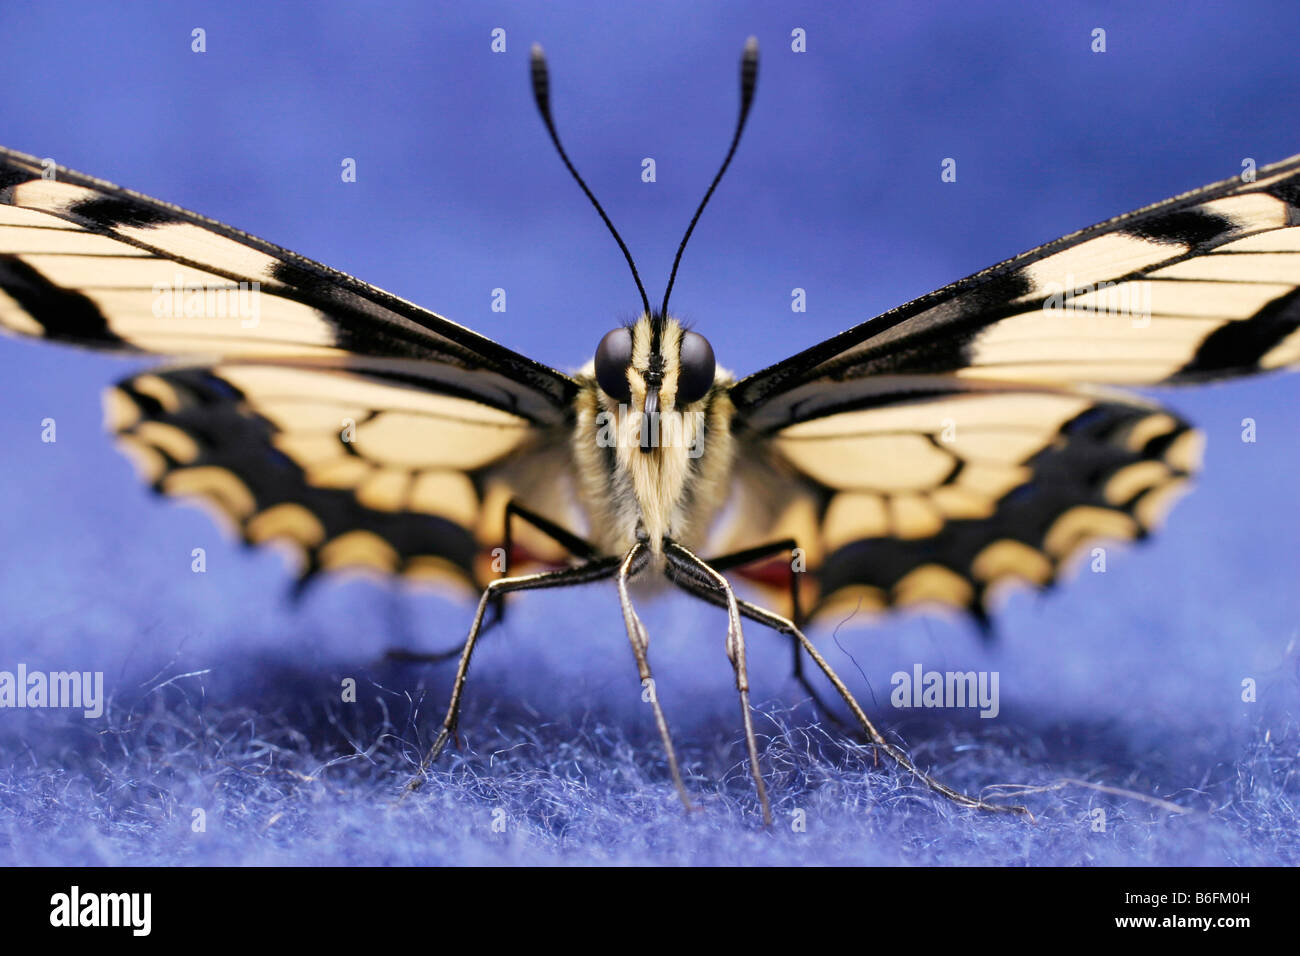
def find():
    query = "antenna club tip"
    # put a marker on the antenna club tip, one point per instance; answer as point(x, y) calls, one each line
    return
point(541, 78)
point(751, 47)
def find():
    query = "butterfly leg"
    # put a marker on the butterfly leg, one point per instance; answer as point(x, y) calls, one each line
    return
point(738, 559)
point(596, 570)
point(693, 584)
point(578, 547)
point(699, 570)
point(634, 562)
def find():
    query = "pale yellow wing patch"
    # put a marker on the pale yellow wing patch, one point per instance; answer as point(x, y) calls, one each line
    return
point(349, 469)
point(86, 263)
point(948, 500)
point(1203, 286)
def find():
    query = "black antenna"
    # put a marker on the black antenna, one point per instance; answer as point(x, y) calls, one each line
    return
point(542, 93)
point(748, 79)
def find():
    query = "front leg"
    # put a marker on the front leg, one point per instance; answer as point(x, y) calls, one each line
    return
point(635, 561)
point(683, 559)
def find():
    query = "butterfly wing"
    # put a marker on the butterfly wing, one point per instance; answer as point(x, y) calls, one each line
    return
point(87, 263)
point(321, 411)
point(354, 468)
point(1202, 286)
point(956, 442)
point(935, 490)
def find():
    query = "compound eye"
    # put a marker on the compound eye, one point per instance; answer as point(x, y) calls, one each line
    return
point(697, 368)
point(613, 356)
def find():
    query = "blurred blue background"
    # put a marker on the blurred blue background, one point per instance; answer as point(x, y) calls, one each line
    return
point(1131, 678)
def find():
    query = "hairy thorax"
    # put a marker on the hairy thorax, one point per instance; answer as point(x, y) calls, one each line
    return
point(673, 490)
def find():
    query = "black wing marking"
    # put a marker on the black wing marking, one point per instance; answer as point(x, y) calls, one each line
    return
point(352, 469)
point(1202, 286)
point(87, 263)
point(943, 490)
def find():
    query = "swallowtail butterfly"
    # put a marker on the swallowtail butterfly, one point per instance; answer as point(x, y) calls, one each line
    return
point(932, 455)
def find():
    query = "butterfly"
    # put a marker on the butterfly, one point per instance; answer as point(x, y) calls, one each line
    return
point(965, 442)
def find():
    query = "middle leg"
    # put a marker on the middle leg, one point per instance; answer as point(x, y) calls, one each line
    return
point(596, 570)
point(739, 559)
point(694, 582)
point(575, 545)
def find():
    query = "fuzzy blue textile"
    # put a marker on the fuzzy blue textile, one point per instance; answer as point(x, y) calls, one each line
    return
point(223, 700)
point(1169, 683)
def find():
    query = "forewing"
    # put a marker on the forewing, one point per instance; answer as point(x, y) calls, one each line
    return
point(935, 490)
point(1202, 286)
point(87, 263)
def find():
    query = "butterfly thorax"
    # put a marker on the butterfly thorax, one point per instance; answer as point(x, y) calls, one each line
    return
point(651, 477)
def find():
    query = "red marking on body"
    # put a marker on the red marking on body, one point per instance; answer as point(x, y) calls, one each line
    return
point(773, 573)
point(519, 559)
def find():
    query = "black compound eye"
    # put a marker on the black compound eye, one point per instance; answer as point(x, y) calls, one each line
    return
point(613, 356)
point(697, 368)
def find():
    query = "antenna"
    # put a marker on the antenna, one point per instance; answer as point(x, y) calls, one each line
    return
point(542, 93)
point(748, 79)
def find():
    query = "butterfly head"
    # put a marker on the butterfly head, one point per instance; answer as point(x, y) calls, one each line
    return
point(653, 437)
point(653, 407)
point(655, 367)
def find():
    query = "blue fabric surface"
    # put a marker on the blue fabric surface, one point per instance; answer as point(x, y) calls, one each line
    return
point(235, 709)
point(285, 776)
point(226, 699)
